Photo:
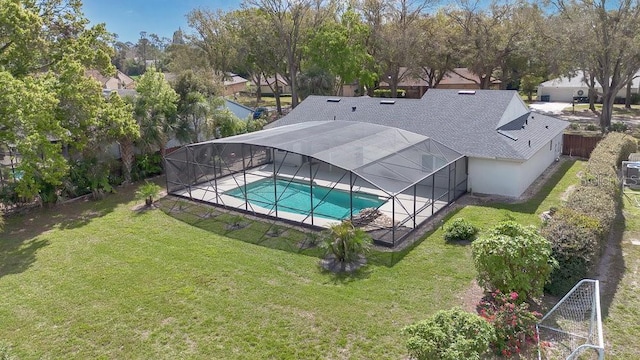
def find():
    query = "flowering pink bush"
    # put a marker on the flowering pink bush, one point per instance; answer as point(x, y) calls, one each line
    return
point(514, 324)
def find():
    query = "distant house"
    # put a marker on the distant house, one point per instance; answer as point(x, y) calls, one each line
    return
point(119, 81)
point(565, 89)
point(416, 87)
point(266, 84)
point(234, 84)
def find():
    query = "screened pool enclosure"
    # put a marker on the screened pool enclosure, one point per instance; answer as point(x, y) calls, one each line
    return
point(385, 180)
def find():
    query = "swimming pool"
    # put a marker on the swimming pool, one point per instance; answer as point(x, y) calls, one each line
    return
point(295, 197)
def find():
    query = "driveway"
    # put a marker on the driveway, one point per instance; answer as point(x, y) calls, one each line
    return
point(549, 107)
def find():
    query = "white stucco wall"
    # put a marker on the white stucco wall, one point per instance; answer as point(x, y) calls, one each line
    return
point(530, 170)
point(511, 178)
point(496, 177)
point(566, 94)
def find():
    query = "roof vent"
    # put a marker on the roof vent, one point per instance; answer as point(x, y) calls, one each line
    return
point(466, 92)
point(526, 121)
point(334, 100)
point(529, 143)
point(387, 102)
point(546, 126)
point(353, 108)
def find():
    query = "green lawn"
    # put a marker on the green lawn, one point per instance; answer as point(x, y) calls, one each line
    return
point(99, 280)
point(618, 110)
point(621, 324)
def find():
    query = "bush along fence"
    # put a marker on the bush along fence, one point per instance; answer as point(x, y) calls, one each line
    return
point(579, 230)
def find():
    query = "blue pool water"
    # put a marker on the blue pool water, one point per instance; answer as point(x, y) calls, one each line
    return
point(295, 197)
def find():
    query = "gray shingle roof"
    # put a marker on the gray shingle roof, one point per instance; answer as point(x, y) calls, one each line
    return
point(472, 124)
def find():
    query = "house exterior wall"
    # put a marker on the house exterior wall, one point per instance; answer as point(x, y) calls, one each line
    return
point(532, 168)
point(566, 94)
point(230, 90)
point(495, 177)
point(511, 178)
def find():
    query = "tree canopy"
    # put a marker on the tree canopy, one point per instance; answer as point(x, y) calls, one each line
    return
point(48, 102)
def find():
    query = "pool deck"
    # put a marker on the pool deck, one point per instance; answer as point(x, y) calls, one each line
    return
point(404, 204)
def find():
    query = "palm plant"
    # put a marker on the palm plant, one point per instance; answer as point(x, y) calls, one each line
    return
point(148, 191)
point(346, 242)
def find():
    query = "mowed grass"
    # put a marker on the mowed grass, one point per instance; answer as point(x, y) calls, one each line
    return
point(622, 313)
point(100, 280)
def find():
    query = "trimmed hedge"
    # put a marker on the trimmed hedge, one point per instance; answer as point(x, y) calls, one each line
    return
point(601, 170)
point(580, 229)
point(386, 93)
point(575, 242)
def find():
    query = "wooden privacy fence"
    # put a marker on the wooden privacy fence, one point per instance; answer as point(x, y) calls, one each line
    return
point(579, 145)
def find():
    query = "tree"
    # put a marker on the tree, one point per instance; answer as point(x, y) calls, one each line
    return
point(48, 102)
point(214, 38)
point(529, 84)
point(339, 47)
point(491, 38)
point(394, 40)
point(291, 21)
point(610, 45)
point(437, 49)
point(197, 106)
point(120, 126)
point(260, 53)
point(513, 258)
point(155, 110)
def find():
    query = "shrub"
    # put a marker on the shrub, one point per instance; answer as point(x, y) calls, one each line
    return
point(346, 242)
point(574, 126)
point(513, 258)
point(146, 165)
point(449, 335)
point(575, 239)
point(592, 127)
point(460, 230)
point(618, 127)
point(514, 324)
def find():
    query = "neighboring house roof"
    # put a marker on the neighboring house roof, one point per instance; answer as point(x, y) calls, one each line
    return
point(579, 81)
point(239, 110)
point(120, 81)
point(458, 75)
point(234, 79)
point(122, 92)
point(451, 78)
point(272, 79)
point(480, 123)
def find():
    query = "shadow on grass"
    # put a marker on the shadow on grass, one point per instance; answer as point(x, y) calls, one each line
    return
point(17, 256)
point(21, 240)
point(612, 267)
point(345, 278)
point(391, 257)
point(257, 232)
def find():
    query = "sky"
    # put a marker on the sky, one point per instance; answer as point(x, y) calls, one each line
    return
point(128, 18)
